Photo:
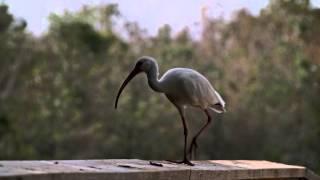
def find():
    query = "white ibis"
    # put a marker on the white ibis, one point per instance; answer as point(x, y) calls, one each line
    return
point(183, 87)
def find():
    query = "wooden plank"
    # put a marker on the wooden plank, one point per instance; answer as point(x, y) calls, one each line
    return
point(244, 169)
point(133, 169)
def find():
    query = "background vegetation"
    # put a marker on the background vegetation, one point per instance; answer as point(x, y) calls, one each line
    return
point(57, 90)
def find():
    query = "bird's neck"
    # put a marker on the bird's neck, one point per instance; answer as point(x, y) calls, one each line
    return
point(153, 81)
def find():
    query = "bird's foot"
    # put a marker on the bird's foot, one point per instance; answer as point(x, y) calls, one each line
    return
point(185, 161)
point(155, 164)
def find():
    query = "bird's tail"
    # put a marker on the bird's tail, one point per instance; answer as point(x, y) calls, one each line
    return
point(218, 108)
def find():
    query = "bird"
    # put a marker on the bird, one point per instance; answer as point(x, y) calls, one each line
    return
point(184, 88)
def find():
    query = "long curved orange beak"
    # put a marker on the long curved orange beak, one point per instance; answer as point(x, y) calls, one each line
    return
point(133, 73)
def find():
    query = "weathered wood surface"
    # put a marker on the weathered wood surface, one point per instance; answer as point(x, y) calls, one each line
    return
point(135, 169)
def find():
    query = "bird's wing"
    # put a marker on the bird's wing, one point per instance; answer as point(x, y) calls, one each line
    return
point(200, 91)
point(188, 87)
point(207, 95)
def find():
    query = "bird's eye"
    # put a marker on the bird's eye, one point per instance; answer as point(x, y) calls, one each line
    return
point(139, 63)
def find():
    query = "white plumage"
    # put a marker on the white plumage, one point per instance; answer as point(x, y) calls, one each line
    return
point(183, 87)
point(187, 87)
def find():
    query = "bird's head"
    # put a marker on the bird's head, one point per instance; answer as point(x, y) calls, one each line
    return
point(143, 64)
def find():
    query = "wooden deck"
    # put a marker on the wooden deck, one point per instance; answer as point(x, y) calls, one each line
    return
point(134, 169)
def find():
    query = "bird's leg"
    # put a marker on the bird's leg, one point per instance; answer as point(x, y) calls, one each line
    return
point(193, 154)
point(185, 132)
point(193, 148)
point(194, 139)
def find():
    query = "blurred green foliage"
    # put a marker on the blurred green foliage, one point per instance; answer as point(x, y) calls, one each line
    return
point(57, 90)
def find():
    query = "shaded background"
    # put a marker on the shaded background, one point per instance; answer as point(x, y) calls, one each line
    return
point(57, 89)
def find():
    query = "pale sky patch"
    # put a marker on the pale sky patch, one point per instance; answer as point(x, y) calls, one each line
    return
point(150, 14)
